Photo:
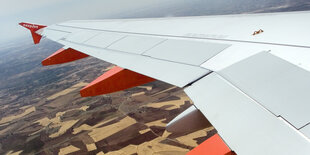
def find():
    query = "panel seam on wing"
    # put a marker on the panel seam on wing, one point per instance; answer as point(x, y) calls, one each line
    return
point(113, 50)
point(161, 42)
point(57, 30)
point(188, 85)
point(92, 37)
point(188, 37)
point(293, 127)
point(304, 126)
point(237, 88)
point(113, 42)
point(215, 55)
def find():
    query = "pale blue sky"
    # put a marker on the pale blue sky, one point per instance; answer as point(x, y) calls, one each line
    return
point(48, 12)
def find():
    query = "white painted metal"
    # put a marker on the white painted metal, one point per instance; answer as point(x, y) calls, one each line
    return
point(279, 86)
point(174, 73)
point(185, 51)
point(306, 131)
point(244, 124)
point(63, 28)
point(81, 36)
point(234, 54)
point(55, 35)
point(279, 28)
point(135, 44)
point(297, 56)
point(104, 39)
point(93, 24)
point(238, 51)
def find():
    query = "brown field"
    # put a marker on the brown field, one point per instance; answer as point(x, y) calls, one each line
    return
point(104, 128)
point(13, 117)
point(68, 150)
point(48, 116)
point(66, 91)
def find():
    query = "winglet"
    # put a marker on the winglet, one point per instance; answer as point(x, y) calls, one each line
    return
point(33, 29)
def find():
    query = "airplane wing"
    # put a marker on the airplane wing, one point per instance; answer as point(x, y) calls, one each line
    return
point(249, 75)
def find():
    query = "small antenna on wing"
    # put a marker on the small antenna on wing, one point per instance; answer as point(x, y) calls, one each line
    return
point(258, 32)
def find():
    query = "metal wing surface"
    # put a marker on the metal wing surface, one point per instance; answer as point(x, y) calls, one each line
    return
point(248, 74)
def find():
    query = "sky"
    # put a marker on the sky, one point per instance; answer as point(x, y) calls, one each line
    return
point(47, 12)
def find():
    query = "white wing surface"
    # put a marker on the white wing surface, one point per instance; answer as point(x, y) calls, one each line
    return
point(248, 74)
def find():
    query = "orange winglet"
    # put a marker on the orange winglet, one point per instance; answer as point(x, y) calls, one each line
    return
point(63, 56)
point(36, 37)
point(114, 80)
point(212, 146)
point(33, 28)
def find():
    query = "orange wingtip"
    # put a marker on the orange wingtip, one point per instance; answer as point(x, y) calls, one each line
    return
point(114, 80)
point(33, 28)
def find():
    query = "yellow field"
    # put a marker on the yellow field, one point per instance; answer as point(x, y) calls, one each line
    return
point(138, 94)
point(67, 91)
point(11, 118)
point(64, 127)
point(14, 153)
point(98, 134)
point(174, 104)
point(91, 147)
point(148, 88)
point(68, 149)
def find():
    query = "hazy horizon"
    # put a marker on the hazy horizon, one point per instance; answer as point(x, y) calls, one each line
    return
point(50, 12)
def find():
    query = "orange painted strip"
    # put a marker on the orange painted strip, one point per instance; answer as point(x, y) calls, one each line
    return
point(212, 146)
point(63, 56)
point(36, 38)
point(114, 80)
point(33, 28)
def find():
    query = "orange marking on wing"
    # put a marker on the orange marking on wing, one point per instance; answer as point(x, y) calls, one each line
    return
point(63, 56)
point(114, 80)
point(212, 146)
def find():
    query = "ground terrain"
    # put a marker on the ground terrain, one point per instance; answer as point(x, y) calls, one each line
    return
point(41, 111)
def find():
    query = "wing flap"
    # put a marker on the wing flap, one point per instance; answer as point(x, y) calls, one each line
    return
point(243, 123)
point(276, 84)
